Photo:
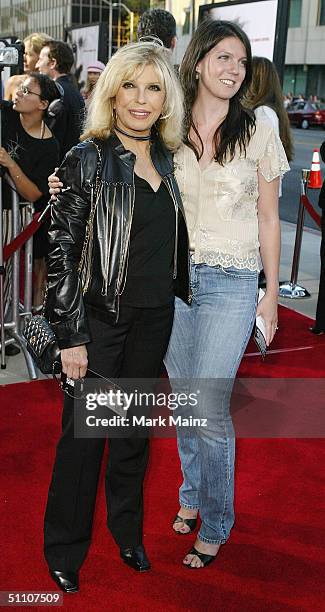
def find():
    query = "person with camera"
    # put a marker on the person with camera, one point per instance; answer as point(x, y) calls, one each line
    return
point(28, 153)
point(32, 47)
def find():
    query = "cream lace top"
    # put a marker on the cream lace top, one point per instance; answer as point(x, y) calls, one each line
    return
point(221, 201)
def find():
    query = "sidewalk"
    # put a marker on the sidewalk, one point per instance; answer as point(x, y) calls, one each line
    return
point(309, 267)
point(308, 277)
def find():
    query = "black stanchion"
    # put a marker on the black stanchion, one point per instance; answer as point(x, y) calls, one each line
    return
point(291, 289)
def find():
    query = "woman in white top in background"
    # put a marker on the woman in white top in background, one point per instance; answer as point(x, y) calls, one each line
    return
point(228, 173)
point(264, 96)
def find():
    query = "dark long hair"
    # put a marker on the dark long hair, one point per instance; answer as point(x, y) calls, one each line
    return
point(239, 124)
point(265, 90)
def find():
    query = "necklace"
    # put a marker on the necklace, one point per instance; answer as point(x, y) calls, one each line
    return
point(117, 129)
point(42, 131)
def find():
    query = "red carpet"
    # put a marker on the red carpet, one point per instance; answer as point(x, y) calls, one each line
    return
point(294, 352)
point(274, 560)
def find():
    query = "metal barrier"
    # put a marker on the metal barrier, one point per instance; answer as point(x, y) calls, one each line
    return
point(11, 323)
point(291, 289)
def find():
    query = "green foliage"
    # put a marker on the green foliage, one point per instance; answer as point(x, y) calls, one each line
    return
point(138, 6)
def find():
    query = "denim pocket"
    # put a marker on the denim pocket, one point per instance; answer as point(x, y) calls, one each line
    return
point(243, 274)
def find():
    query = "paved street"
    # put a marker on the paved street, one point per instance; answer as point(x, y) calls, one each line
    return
point(305, 141)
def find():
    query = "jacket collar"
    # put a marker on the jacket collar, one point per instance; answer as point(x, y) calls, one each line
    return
point(161, 157)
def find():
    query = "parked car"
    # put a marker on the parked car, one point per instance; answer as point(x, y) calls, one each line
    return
point(306, 114)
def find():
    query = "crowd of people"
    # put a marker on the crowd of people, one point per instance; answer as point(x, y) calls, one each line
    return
point(41, 126)
point(162, 217)
point(290, 99)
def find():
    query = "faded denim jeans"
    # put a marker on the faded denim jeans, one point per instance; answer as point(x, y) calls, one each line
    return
point(206, 347)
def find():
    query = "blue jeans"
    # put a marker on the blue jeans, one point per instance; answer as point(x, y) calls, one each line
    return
point(206, 347)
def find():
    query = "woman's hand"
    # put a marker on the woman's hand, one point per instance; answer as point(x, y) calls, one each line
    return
point(5, 159)
point(55, 185)
point(267, 308)
point(74, 361)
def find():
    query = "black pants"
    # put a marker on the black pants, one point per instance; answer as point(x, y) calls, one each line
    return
point(320, 313)
point(134, 348)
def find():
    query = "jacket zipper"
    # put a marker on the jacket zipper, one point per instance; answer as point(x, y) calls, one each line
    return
point(173, 196)
point(108, 247)
point(125, 258)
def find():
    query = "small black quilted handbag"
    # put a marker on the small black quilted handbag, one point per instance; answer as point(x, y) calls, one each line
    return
point(42, 345)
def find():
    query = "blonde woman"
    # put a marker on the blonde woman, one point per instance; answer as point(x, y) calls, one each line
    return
point(115, 317)
point(33, 45)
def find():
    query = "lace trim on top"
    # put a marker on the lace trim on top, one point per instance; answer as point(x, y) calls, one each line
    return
point(217, 258)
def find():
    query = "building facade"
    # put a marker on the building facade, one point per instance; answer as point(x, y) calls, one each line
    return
point(305, 55)
point(22, 17)
point(304, 71)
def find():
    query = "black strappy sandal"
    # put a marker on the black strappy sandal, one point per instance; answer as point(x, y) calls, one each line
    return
point(190, 522)
point(206, 559)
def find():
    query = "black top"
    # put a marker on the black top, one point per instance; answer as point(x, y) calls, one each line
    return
point(67, 128)
point(36, 157)
point(150, 268)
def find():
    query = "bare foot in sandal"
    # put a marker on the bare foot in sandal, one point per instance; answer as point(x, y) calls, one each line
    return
point(201, 554)
point(185, 521)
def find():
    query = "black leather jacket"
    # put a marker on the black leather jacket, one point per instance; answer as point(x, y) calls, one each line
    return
point(100, 280)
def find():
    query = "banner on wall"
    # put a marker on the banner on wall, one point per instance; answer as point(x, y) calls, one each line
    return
point(89, 43)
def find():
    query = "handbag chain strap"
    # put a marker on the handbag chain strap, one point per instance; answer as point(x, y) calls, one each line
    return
point(90, 222)
point(45, 299)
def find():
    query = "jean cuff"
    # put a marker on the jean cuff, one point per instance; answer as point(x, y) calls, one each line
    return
point(210, 540)
point(188, 506)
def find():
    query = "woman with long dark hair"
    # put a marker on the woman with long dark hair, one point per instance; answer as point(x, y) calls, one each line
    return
point(264, 96)
point(228, 174)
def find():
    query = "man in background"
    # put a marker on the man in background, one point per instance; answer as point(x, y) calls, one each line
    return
point(56, 60)
point(161, 23)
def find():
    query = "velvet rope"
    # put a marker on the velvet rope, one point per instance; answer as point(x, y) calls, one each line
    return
point(310, 209)
point(18, 242)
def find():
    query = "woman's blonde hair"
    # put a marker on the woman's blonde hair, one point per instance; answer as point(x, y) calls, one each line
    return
point(37, 40)
point(126, 64)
